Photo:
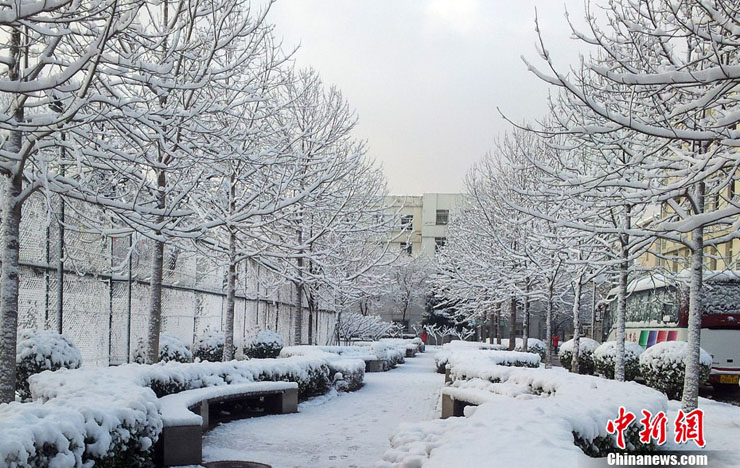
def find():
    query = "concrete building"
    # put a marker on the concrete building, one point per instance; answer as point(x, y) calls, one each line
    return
point(425, 219)
point(422, 229)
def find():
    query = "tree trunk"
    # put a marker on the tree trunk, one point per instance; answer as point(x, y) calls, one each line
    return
point(499, 328)
point(548, 327)
point(690, 400)
point(9, 284)
point(574, 367)
point(525, 320)
point(512, 323)
point(492, 327)
point(622, 300)
point(228, 353)
point(298, 323)
point(155, 303)
point(593, 309)
point(10, 236)
point(155, 284)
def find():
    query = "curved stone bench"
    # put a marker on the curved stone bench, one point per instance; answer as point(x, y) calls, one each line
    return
point(186, 415)
point(454, 400)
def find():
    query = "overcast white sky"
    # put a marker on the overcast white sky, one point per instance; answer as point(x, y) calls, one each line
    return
point(426, 76)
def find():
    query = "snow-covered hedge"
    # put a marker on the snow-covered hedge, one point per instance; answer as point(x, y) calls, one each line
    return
point(348, 375)
point(389, 353)
point(663, 367)
point(587, 346)
point(210, 346)
point(347, 370)
point(267, 344)
point(109, 416)
point(534, 345)
point(411, 345)
point(466, 365)
point(40, 350)
point(171, 348)
point(537, 414)
point(605, 356)
point(442, 356)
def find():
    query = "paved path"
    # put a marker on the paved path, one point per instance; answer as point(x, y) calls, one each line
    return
point(349, 430)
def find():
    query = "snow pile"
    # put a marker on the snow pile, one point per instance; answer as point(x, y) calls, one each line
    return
point(605, 357)
point(39, 350)
point(662, 366)
point(210, 346)
point(114, 410)
point(171, 348)
point(267, 344)
point(586, 349)
point(535, 413)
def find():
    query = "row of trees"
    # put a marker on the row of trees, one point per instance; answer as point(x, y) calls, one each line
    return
point(638, 151)
point(183, 121)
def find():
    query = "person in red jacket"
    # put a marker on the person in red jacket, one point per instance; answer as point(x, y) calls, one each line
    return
point(555, 340)
point(424, 336)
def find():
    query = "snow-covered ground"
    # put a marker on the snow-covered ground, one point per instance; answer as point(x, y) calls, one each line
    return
point(336, 430)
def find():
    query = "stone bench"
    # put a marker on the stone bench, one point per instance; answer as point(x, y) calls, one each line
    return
point(186, 415)
point(454, 400)
point(375, 365)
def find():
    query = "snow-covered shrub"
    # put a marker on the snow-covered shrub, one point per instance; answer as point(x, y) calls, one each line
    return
point(533, 346)
point(587, 347)
point(391, 354)
point(352, 372)
point(267, 344)
point(171, 348)
point(210, 346)
point(663, 367)
point(605, 357)
point(312, 380)
point(40, 350)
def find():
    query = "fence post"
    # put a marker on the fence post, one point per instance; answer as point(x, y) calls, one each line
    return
point(110, 303)
point(47, 276)
point(60, 265)
point(128, 305)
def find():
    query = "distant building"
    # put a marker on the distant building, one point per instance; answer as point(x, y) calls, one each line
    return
point(425, 218)
point(423, 221)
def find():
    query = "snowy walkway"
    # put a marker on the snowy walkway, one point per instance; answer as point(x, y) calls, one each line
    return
point(350, 430)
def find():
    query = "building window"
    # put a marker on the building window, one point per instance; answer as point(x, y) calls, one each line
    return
point(407, 247)
point(439, 242)
point(407, 222)
point(443, 217)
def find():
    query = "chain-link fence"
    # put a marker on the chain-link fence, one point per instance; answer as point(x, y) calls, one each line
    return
point(105, 293)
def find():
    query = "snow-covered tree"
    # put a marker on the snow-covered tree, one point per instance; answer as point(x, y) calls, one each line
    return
point(51, 51)
point(666, 72)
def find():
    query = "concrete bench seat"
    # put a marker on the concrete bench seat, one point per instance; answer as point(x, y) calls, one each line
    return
point(454, 400)
point(186, 415)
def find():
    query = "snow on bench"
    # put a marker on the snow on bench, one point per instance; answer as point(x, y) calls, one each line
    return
point(185, 415)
